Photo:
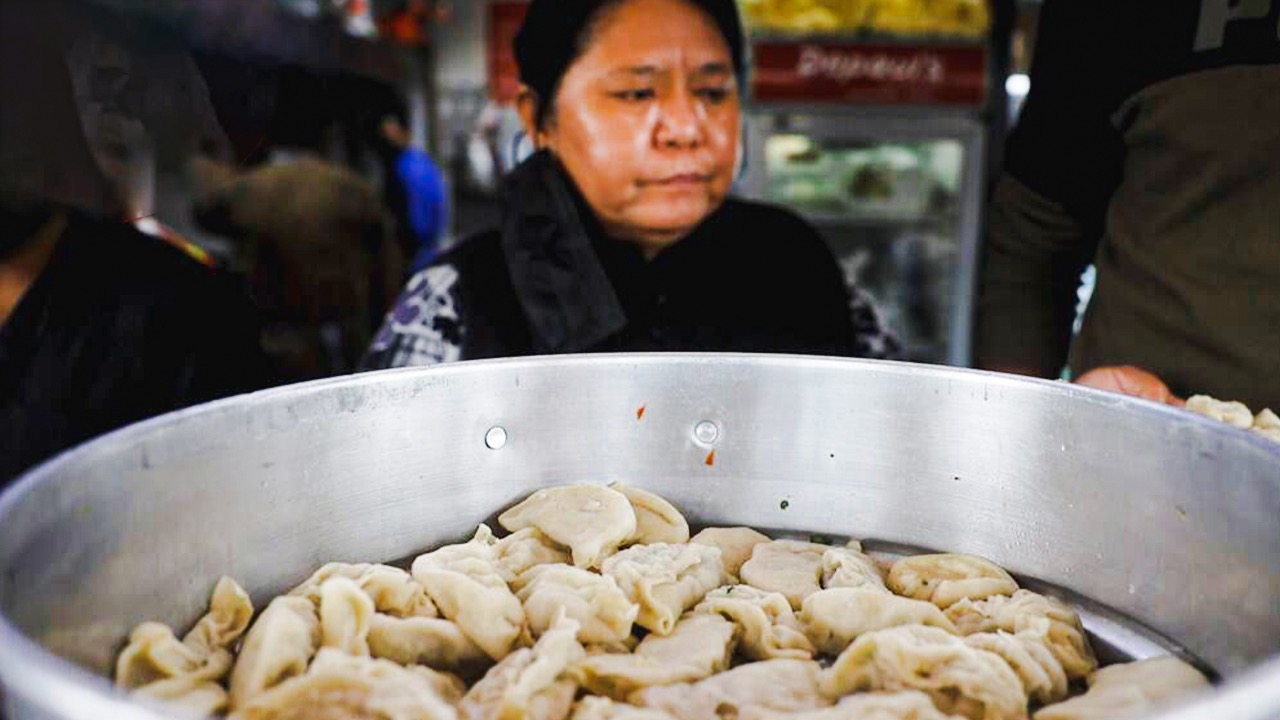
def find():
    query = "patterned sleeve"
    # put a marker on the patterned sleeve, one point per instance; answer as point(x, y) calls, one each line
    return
point(425, 327)
point(871, 338)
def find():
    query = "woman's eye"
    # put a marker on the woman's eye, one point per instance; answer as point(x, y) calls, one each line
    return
point(642, 95)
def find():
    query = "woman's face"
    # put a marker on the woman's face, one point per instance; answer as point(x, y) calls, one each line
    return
point(647, 121)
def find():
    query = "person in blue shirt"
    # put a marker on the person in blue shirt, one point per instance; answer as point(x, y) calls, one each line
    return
point(425, 194)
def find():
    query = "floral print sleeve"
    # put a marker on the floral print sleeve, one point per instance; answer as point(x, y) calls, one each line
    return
point(425, 327)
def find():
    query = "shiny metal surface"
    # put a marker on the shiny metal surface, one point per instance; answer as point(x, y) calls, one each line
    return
point(1151, 512)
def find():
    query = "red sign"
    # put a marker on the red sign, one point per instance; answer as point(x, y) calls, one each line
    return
point(505, 19)
point(870, 74)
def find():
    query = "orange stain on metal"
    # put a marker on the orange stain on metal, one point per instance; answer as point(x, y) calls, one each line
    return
point(640, 412)
point(711, 458)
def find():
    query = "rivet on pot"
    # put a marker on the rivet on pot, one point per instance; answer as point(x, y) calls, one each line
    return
point(706, 432)
point(496, 438)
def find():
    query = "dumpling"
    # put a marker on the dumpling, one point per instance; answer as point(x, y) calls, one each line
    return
point(665, 580)
point(1028, 655)
point(1026, 611)
point(431, 642)
point(781, 685)
point(154, 654)
point(1235, 414)
point(341, 687)
point(605, 613)
point(198, 698)
point(469, 590)
point(768, 625)
point(391, 589)
point(699, 647)
point(834, 618)
point(527, 683)
point(946, 578)
point(849, 567)
point(657, 521)
point(599, 708)
point(516, 553)
point(960, 679)
point(345, 615)
point(1129, 689)
point(591, 520)
point(735, 543)
point(905, 705)
point(790, 567)
point(278, 647)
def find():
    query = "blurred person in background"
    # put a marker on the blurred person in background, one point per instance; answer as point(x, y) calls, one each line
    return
point(1149, 146)
point(100, 325)
point(425, 194)
point(618, 233)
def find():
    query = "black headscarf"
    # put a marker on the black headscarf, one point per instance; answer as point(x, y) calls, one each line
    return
point(555, 33)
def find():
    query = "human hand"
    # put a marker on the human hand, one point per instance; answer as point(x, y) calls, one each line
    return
point(1132, 381)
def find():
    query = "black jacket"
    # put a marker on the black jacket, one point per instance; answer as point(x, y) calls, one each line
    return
point(119, 327)
point(751, 278)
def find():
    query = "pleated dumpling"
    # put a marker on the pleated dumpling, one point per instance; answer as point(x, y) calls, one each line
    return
point(657, 521)
point(1235, 414)
point(849, 567)
point(431, 642)
point(468, 589)
point(768, 626)
point(665, 580)
point(341, 687)
point(904, 705)
point(1028, 655)
point(779, 685)
point(155, 655)
point(834, 618)
point(698, 647)
point(735, 543)
point(600, 708)
point(1129, 690)
point(960, 679)
point(528, 683)
point(278, 646)
point(605, 613)
point(346, 613)
point(790, 567)
point(946, 578)
point(516, 553)
point(1030, 612)
point(391, 589)
point(591, 520)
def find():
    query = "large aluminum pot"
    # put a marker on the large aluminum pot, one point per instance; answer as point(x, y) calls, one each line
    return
point(1152, 512)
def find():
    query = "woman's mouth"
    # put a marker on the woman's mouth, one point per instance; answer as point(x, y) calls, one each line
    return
point(681, 180)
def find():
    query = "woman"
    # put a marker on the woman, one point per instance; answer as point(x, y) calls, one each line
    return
point(618, 234)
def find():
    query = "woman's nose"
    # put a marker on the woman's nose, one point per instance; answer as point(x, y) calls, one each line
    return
point(680, 122)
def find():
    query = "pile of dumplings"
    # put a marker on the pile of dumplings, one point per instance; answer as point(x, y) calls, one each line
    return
point(600, 606)
point(1238, 415)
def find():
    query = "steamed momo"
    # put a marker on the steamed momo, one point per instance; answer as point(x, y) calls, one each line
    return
point(1043, 677)
point(835, 618)
point(946, 578)
point(596, 602)
point(527, 684)
point(345, 615)
point(279, 646)
point(735, 543)
point(432, 642)
point(698, 647)
point(665, 580)
point(962, 680)
point(599, 708)
point(769, 627)
point(790, 567)
point(392, 590)
point(1025, 611)
point(520, 551)
point(657, 521)
point(905, 705)
point(781, 685)
point(591, 520)
point(848, 567)
point(341, 687)
point(1129, 689)
point(469, 590)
